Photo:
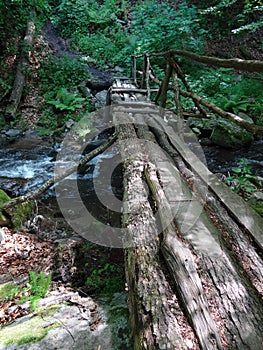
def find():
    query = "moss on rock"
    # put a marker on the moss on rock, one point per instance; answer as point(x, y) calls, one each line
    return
point(229, 135)
point(4, 220)
point(29, 329)
point(16, 216)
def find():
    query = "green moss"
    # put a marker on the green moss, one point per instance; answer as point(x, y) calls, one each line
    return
point(19, 214)
point(228, 135)
point(8, 291)
point(4, 221)
point(30, 330)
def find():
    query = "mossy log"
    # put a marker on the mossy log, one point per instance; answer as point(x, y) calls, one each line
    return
point(185, 237)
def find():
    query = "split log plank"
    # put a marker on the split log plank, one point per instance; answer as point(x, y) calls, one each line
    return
point(154, 326)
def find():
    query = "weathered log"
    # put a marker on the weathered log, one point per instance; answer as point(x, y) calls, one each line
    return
point(21, 72)
point(183, 272)
point(236, 63)
point(241, 319)
point(153, 324)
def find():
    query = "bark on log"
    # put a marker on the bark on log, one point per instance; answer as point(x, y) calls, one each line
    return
point(236, 63)
point(240, 318)
point(154, 326)
point(183, 271)
point(21, 73)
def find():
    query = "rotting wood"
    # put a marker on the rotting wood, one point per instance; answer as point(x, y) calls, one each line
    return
point(254, 129)
point(206, 241)
point(183, 272)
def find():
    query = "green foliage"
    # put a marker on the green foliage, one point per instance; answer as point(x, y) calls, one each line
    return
point(95, 28)
point(158, 26)
point(88, 16)
point(62, 72)
point(107, 279)
point(241, 179)
point(57, 77)
point(66, 101)
point(38, 286)
point(8, 291)
point(230, 16)
point(227, 90)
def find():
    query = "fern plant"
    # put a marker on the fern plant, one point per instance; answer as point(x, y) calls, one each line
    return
point(38, 286)
point(66, 101)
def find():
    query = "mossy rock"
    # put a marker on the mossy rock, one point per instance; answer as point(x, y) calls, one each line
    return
point(229, 135)
point(16, 216)
point(21, 332)
point(4, 219)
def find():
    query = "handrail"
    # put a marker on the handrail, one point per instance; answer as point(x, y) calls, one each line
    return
point(174, 71)
point(235, 63)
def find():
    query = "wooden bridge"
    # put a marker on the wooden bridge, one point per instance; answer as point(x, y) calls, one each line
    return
point(194, 248)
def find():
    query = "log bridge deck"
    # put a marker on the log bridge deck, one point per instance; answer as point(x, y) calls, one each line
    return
point(194, 248)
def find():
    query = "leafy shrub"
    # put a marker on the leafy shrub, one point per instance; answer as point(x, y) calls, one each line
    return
point(240, 181)
point(62, 72)
point(66, 101)
point(107, 279)
point(38, 286)
point(87, 16)
point(227, 90)
point(230, 16)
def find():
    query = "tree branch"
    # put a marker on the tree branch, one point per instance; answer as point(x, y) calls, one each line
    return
point(36, 193)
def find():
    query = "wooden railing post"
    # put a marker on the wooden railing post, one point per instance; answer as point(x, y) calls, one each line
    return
point(177, 69)
point(147, 77)
point(165, 84)
point(134, 69)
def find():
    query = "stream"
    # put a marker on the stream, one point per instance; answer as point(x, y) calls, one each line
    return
point(22, 170)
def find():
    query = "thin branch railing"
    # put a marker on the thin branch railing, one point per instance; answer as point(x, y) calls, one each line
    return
point(145, 78)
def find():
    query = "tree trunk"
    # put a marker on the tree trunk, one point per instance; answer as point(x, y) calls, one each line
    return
point(151, 301)
point(21, 73)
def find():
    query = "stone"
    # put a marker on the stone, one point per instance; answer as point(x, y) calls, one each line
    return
point(13, 132)
point(118, 69)
point(75, 327)
point(229, 135)
point(69, 124)
point(101, 99)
